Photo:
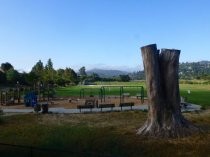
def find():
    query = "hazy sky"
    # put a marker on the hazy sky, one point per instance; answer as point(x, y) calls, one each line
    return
point(101, 33)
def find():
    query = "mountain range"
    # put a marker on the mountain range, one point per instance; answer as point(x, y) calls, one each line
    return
point(106, 73)
point(187, 70)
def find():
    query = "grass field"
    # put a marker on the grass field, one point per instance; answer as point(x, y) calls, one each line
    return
point(199, 93)
point(90, 135)
point(110, 134)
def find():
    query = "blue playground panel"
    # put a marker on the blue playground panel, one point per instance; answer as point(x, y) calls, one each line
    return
point(30, 99)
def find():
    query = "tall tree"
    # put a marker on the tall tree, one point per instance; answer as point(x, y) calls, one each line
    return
point(94, 77)
point(49, 75)
point(2, 77)
point(82, 73)
point(12, 76)
point(49, 65)
point(71, 75)
point(124, 78)
point(38, 69)
point(164, 116)
point(6, 66)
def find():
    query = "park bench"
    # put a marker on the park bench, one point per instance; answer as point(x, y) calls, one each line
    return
point(89, 104)
point(101, 106)
point(126, 104)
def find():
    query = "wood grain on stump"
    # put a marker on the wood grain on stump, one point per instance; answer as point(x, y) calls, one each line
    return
point(164, 115)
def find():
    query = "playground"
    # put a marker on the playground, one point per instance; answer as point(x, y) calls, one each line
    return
point(88, 98)
point(85, 98)
point(23, 96)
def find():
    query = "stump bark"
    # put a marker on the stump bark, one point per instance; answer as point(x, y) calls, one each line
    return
point(164, 114)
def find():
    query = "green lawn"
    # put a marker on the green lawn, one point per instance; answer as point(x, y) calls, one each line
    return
point(110, 134)
point(199, 94)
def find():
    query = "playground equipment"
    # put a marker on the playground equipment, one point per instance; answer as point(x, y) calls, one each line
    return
point(123, 92)
point(111, 95)
point(10, 96)
point(44, 91)
point(30, 99)
point(90, 92)
point(109, 91)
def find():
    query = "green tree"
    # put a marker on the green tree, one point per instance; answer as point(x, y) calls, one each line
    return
point(82, 73)
point(49, 65)
point(2, 77)
point(60, 78)
point(49, 72)
point(95, 77)
point(38, 68)
point(71, 76)
point(12, 76)
point(124, 78)
point(6, 66)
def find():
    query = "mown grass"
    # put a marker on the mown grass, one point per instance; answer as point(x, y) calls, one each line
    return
point(199, 93)
point(97, 134)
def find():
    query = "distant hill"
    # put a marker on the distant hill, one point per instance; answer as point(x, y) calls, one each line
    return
point(187, 70)
point(192, 70)
point(106, 73)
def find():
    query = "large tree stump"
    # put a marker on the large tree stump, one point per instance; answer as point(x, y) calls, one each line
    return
point(164, 115)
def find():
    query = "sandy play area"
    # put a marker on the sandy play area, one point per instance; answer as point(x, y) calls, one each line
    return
point(72, 102)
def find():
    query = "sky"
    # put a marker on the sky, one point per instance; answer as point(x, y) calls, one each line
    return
point(104, 34)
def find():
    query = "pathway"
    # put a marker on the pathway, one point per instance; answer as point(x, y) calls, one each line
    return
point(190, 107)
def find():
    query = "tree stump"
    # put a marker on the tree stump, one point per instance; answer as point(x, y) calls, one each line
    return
point(164, 115)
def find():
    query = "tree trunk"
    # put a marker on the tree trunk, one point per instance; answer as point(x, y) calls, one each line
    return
point(164, 115)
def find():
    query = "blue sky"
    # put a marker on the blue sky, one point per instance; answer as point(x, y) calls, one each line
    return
point(101, 33)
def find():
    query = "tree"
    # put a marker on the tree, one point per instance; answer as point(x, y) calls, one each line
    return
point(164, 116)
point(66, 76)
point(83, 74)
point(12, 76)
point(49, 72)
point(60, 79)
point(49, 65)
point(94, 77)
point(70, 75)
point(6, 66)
point(38, 68)
point(124, 78)
point(2, 77)
point(82, 71)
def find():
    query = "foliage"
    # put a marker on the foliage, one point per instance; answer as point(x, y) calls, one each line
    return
point(194, 70)
point(139, 75)
point(12, 76)
point(38, 70)
point(187, 71)
point(66, 77)
point(82, 74)
point(6, 66)
point(3, 78)
point(94, 77)
point(82, 71)
point(124, 78)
